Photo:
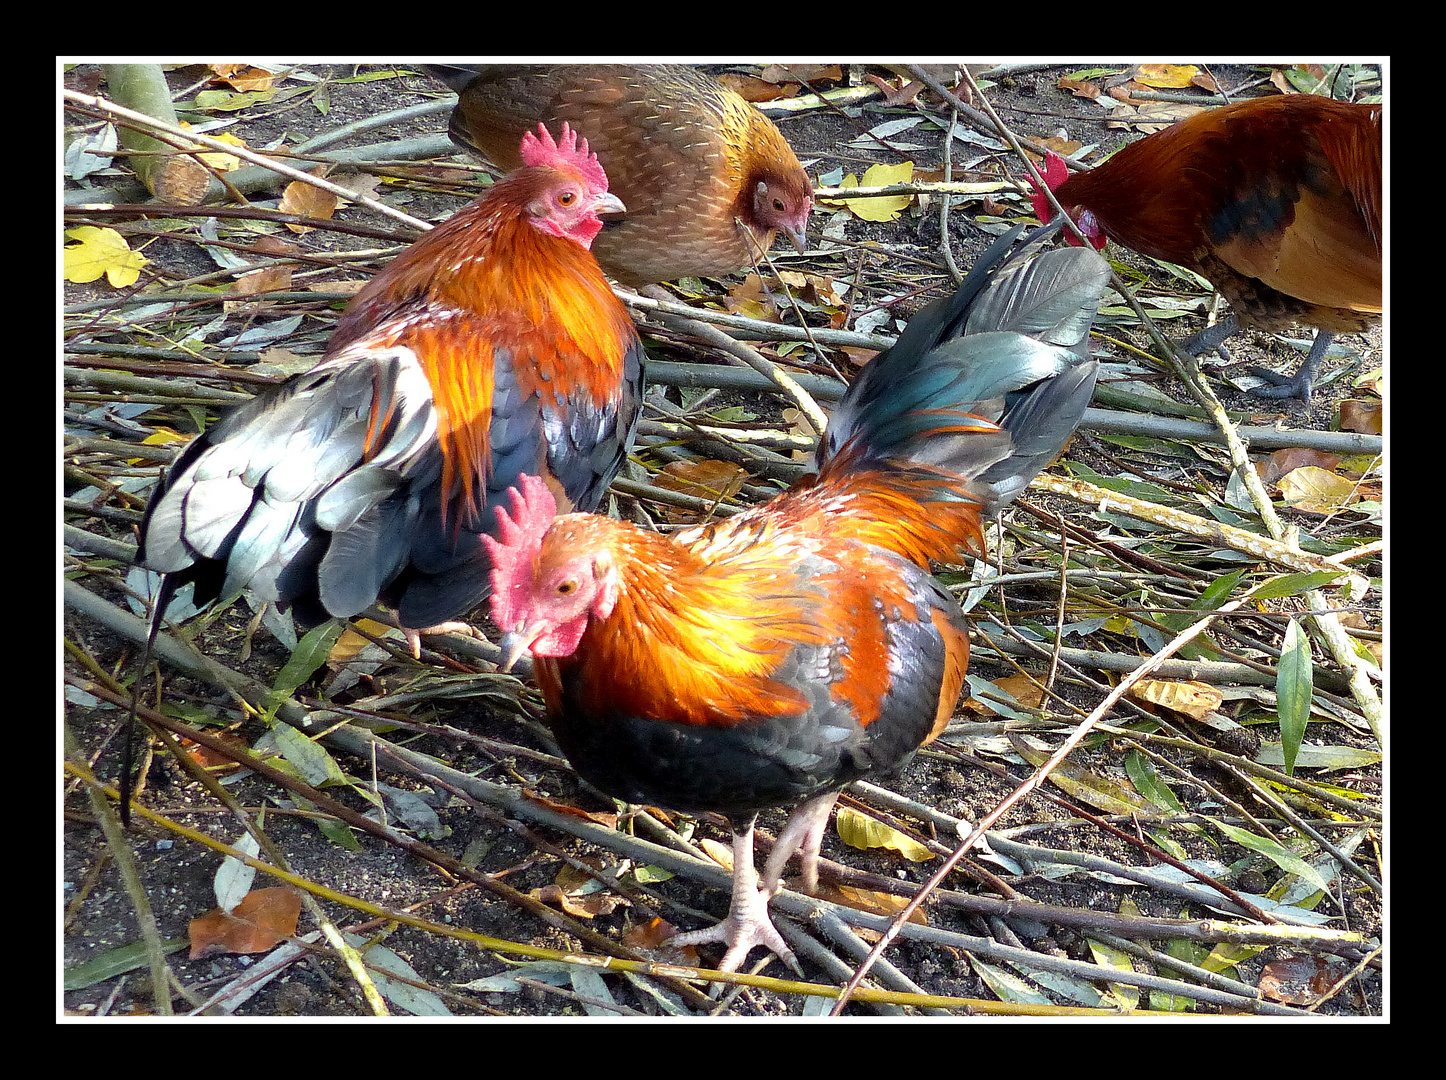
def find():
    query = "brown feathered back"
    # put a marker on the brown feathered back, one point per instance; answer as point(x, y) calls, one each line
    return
point(1276, 200)
point(689, 158)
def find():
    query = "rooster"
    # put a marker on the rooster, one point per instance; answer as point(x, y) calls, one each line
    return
point(490, 348)
point(708, 179)
point(771, 658)
point(1276, 201)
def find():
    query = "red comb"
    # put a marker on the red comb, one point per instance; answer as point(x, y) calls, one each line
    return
point(540, 151)
point(513, 552)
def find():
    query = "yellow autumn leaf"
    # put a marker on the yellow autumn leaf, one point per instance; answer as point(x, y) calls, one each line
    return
point(863, 832)
point(160, 437)
point(1167, 76)
point(883, 207)
point(721, 854)
point(218, 160)
point(101, 251)
point(165, 436)
point(1316, 490)
point(350, 643)
point(1195, 699)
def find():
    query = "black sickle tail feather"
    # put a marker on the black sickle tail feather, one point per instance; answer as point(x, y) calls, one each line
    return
point(1008, 347)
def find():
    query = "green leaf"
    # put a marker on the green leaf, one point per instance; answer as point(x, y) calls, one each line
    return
point(310, 760)
point(1141, 771)
point(116, 962)
point(1295, 584)
point(1216, 592)
point(1293, 688)
point(306, 659)
point(1288, 861)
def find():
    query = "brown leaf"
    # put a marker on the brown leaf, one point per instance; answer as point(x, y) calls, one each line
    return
point(1362, 416)
point(805, 73)
point(267, 279)
point(1080, 88)
point(274, 245)
point(243, 76)
point(649, 935)
point(264, 919)
point(897, 92)
point(1065, 147)
point(722, 854)
point(597, 817)
point(1296, 980)
point(708, 479)
point(1293, 457)
point(208, 758)
point(306, 201)
point(582, 907)
point(1023, 689)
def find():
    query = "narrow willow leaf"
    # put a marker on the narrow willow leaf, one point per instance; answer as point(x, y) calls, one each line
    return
point(1295, 584)
point(308, 656)
point(1141, 771)
point(1216, 592)
point(116, 962)
point(1293, 688)
point(1288, 861)
point(310, 760)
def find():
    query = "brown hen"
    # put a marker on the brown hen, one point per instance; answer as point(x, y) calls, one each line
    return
point(1276, 201)
point(707, 179)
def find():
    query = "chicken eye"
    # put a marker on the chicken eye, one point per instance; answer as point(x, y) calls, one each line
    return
point(778, 205)
point(565, 587)
point(567, 198)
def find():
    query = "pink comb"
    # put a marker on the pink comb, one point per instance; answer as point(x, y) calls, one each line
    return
point(515, 550)
point(542, 152)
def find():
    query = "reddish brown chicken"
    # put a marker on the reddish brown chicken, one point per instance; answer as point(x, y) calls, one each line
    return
point(771, 658)
point(1276, 201)
point(490, 348)
point(708, 179)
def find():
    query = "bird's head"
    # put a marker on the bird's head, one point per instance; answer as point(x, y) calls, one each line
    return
point(781, 203)
point(1055, 173)
point(571, 189)
point(548, 576)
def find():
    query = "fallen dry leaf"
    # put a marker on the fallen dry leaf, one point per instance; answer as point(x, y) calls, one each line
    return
point(264, 919)
point(306, 200)
point(1271, 469)
point(1196, 700)
point(1316, 491)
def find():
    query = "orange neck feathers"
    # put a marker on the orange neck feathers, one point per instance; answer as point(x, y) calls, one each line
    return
point(489, 282)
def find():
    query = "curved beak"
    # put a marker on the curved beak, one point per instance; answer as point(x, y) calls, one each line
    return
point(796, 234)
point(608, 203)
point(513, 645)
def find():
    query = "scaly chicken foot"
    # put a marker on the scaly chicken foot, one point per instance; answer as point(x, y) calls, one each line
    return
point(413, 635)
point(1301, 383)
point(803, 833)
point(747, 924)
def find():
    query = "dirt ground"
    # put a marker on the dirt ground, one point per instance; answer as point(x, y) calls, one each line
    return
point(1151, 788)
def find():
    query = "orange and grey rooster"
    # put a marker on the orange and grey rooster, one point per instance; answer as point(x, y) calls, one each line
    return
point(771, 658)
point(491, 348)
point(1276, 201)
point(708, 179)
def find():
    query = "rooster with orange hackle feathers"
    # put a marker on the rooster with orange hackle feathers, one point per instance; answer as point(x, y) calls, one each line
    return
point(771, 658)
point(491, 348)
point(1276, 201)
